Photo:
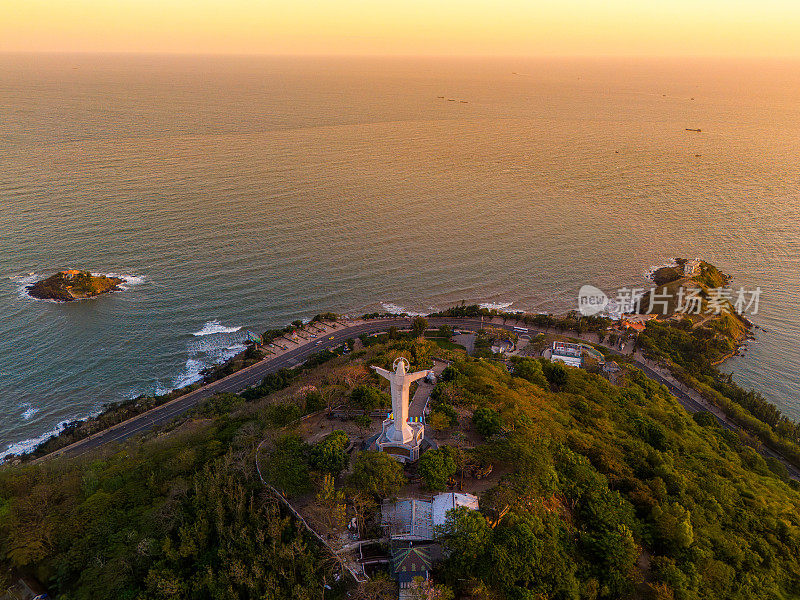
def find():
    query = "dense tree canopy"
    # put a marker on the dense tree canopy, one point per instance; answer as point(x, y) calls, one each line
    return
point(598, 491)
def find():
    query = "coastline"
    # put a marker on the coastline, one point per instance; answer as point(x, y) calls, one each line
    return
point(116, 412)
point(116, 415)
point(28, 446)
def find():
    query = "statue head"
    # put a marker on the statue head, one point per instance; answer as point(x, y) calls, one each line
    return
point(401, 366)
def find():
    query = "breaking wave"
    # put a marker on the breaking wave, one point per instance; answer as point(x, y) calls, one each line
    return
point(130, 280)
point(648, 274)
point(28, 445)
point(212, 327)
point(28, 412)
point(495, 305)
point(23, 281)
point(396, 309)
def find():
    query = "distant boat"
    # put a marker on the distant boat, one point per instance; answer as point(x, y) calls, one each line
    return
point(695, 130)
point(440, 96)
point(450, 100)
point(464, 102)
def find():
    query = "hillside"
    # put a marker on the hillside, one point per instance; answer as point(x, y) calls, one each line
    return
point(599, 491)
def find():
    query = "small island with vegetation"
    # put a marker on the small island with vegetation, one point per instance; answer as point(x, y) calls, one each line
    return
point(66, 286)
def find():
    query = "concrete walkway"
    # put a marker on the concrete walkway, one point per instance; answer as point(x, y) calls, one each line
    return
point(423, 393)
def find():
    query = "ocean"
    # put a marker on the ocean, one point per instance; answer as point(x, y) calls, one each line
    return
point(241, 193)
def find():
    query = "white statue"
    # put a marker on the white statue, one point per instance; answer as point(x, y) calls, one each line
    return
point(400, 381)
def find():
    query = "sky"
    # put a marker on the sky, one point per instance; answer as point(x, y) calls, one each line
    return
point(406, 27)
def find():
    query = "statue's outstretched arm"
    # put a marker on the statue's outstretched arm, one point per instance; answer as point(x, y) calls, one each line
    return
point(383, 372)
point(417, 375)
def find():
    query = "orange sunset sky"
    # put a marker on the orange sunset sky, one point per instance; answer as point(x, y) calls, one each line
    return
point(415, 27)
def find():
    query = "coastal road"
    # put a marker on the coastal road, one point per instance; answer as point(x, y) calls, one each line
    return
point(235, 382)
point(253, 375)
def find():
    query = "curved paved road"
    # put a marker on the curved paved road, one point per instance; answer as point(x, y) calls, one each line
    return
point(252, 375)
point(235, 382)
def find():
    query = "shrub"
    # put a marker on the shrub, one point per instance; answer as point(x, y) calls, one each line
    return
point(314, 401)
point(705, 418)
point(556, 374)
point(280, 415)
point(288, 466)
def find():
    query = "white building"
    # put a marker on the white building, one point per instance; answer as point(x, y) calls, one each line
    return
point(443, 503)
point(690, 266)
point(567, 353)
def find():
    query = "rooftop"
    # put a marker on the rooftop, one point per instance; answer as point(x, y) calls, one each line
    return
point(415, 519)
point(567, 349)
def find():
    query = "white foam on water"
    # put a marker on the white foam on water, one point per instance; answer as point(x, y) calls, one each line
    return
point(396, 309)
point(130, 280)
point(29, 411)
point(204, 359)
point(495, 305)
point(192, 372)
point(648, 274)
point(23, 281)
point(28, 445)
point(212, 327)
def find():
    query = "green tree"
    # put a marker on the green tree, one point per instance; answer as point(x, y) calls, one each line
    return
point(288, 466)
point(436, 467)
point(531, 370)
point(332, 502)
point(465, 537)
point(314, 401)
point(418, 326)
point(532, 554)
point(328, 455)
point(369, 398)
point(376, 474)
point(674, 526)
point(363, 422)
point(556, 374)
point(487, 421)
point(449, 374)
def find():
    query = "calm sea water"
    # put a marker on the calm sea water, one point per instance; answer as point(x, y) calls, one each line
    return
point(248, 192)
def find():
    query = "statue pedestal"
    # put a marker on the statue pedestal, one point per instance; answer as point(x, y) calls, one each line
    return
point(403, 450)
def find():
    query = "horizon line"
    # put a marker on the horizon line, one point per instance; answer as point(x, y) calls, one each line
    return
point(792, 57)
